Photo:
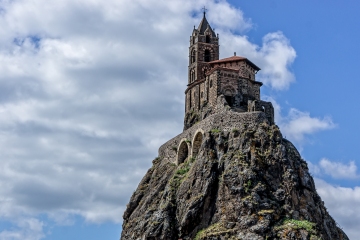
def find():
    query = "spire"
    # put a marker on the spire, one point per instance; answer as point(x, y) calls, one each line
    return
point(204, 24)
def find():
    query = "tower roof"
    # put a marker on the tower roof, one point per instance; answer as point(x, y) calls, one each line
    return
point(204, 24)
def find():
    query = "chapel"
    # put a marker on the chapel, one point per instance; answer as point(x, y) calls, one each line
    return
point(215, 85)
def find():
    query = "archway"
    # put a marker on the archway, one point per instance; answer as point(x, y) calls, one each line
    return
point(229, 96)
point(183, 152)
point(197, 141)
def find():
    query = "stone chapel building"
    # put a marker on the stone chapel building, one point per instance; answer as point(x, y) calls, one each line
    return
point(216, 85)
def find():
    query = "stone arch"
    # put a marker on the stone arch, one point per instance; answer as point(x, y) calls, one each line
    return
point(229, 90)
point(229, 93)
point(182, 152)
point(197, 141)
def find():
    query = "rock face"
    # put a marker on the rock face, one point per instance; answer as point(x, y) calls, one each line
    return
point(244, 182)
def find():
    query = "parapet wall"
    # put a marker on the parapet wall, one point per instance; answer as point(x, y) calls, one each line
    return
point(225, 121)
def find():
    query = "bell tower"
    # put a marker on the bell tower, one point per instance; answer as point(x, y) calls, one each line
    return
point(204, 48)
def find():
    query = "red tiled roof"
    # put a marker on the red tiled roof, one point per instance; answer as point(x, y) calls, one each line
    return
point(229, 59)
point(234, 59)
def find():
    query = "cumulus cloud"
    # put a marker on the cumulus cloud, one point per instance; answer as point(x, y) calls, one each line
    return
point(274, 56)
point(227, 18)
point(88, 92)
point(337, 170)
point(343, 204)
point(29, 229)
point(296, 125)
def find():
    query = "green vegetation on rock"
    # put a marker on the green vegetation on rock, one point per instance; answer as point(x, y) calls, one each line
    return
point(213, 230)
point(297, 224)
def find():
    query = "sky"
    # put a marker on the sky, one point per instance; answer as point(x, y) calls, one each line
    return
point(90, 89)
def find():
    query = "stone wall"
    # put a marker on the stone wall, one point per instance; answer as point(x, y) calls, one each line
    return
point(266, 107)
point(224, 121)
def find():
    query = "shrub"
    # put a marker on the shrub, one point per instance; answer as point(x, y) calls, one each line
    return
point(235, 130)
point(297, 224)
point(215, 131)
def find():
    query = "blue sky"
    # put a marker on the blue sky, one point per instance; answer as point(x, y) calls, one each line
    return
point(90, 89)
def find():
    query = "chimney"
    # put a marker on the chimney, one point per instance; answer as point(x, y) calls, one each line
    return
point(234, 53)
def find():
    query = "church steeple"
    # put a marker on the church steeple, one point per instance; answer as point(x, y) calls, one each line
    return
point(204, 25)
point(204, 48)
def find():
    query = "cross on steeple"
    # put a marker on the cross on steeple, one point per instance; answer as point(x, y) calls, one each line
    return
point(204, 9)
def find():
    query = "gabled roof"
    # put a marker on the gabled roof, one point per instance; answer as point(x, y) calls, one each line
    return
point(204, 24)
point(235, 59)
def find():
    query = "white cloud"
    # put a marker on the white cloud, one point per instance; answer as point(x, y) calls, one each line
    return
point(343, 205)
point(90, 89)
point(228, 18)
point(274, 57)
point(28, 229)
point(337, 170)
point(296, 125)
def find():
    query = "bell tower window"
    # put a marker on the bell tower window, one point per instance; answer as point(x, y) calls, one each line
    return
point(207, 39)
point(207, 56)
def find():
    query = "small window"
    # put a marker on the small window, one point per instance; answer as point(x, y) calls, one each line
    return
point(202, 94)
point(207, 39)
point(249, 76)
point(210, 83)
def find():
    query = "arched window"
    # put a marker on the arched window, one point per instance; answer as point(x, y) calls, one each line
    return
point(207, 55)
point(207, 39)
point(192, 76)
point(193, 56)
